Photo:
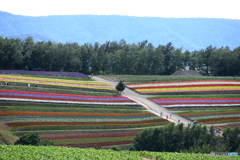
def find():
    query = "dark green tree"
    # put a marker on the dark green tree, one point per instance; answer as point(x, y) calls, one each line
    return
point(33, 139)
point(120, 86)
point(28, 139)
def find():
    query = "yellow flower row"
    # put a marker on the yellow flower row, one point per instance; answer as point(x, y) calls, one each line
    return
point(5, 77)
point(66, 85)
point(56, 82)
point(190, 88)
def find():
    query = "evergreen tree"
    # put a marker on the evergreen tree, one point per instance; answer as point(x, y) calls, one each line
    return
point(120, 87)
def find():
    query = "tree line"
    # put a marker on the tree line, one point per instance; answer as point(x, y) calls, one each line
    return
point(116, 58)
point(193, 139)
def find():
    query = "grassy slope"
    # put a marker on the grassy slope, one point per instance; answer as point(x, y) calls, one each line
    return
point(49, 152)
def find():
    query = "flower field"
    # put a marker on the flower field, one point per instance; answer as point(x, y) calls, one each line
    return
point(45, 73)
point(186, 86)
point(9, 95)
point(76, 113)
point(205, 109)
point(90, 85)
point(198, 102)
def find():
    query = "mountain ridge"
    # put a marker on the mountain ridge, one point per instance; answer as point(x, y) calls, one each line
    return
point(188, 33)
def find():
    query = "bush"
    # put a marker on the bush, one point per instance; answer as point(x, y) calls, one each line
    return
point(33, 139)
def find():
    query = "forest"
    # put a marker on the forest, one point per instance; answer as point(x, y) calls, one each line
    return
point(114, 57)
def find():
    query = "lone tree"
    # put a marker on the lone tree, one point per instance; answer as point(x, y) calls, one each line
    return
point(120, 86)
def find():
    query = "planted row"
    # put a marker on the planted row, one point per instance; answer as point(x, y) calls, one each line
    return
point(186, 86)
point(122, 124)
point(57, 82)
point(9, 95)
point(197, 102)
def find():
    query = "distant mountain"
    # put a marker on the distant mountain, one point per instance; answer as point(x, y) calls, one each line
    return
point(188, 33)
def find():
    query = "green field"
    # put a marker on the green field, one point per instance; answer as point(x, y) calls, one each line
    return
point(160, 78)
point(50, 152)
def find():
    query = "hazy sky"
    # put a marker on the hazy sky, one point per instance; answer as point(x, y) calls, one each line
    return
point(153, 8)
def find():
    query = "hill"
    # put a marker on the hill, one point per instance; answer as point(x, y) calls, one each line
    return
point(189, 33)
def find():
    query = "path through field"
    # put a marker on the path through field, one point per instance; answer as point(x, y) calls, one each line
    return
point(151, 106)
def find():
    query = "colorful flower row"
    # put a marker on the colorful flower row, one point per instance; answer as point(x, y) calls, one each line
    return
point(100, 135)
point(222, 115)
point(210, 113)
point(58, 82)
point(186, 86)
point(63, 98)
point(23, 118)
point(219, 120)
point(198, 102)
point(18, 125)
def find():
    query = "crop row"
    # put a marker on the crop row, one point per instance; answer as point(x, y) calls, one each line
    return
point(219, 120)
point(209, 115)
point(18, 125)
point(189, 102)
point(57, 82)
point(9, 95)
point(95, 135)
point(186, 86)
point(45, 73)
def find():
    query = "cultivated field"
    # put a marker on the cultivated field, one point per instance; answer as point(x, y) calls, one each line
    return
point(76, 113)
point(50, 152)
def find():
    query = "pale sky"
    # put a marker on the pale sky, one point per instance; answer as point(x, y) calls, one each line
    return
point(228, 9)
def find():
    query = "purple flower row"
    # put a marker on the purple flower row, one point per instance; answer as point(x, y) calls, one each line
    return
point(195, 101)
point(45, 73)
point(63, 97)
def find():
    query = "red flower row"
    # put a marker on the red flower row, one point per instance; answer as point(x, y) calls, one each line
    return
point(57, 94)
point(101, 135)
point(219, 120)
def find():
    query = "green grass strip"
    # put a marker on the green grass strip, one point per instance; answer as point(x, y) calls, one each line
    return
point(57, 90)
point(91, 140)
point(45, 107)
point(160, 78)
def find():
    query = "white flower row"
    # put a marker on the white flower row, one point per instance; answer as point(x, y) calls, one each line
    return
point(199, 105)
point(80, 119)
point(69, 102)
point(180, 84)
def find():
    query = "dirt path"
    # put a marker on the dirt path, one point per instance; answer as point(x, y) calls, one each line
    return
point(151, 106)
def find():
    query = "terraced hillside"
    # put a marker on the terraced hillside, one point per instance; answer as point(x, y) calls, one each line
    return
point(77, 113)
point(207, 100)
